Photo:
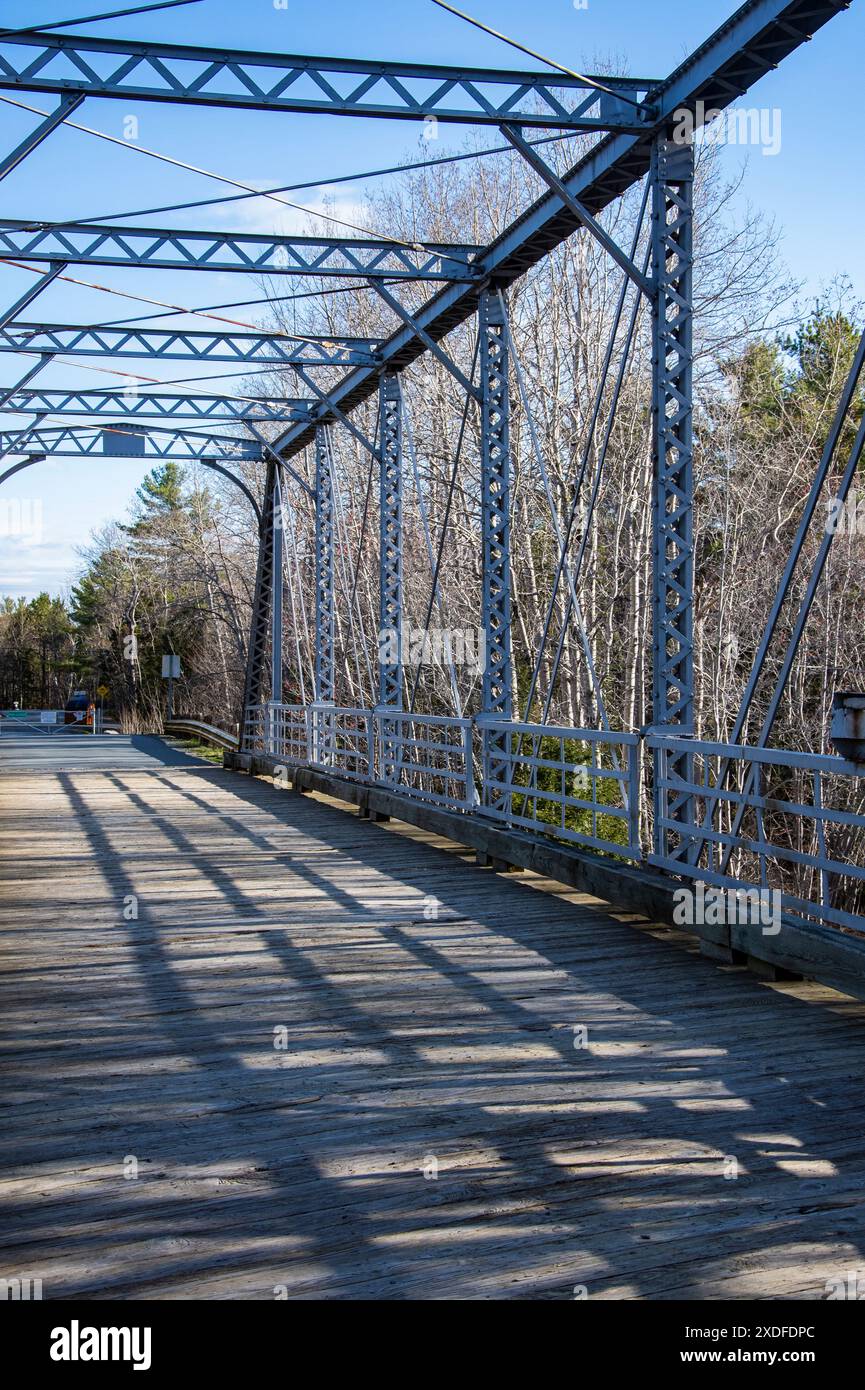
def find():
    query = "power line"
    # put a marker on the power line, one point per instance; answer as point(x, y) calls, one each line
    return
point(95, 18)
point(279, 188)
point(208, 174)
point(234, 304)
point(569, 72)
point(171, 309)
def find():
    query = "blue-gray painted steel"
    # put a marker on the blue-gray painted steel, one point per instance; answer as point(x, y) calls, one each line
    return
point(278, 524)
point(134, 403)
point(43, 130)
point(324, 596)
point(672, 177)
point(295, 82)
point(390, 542)
point(245, 252)
point(497, 693)
point(182, 345)
point(86, 442)
point(749, 44)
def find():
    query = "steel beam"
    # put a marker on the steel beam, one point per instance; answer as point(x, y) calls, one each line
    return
point(672, 420)
point(600, 233)
point(497, 691)
point(276, 594)
point(749, 44)
point(183, 345)
point(429, 343)
point(255, 681)
point(8, 392)
point(44, 129)
point(327, 407)
point(129, 442)
point(324, 591)
point(390, 542)
point(291, 82)
point(244, 252)
point(131, 403)
point(32, 292)
point(672, 450)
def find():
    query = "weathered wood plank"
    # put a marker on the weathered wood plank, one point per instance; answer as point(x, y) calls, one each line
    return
point(429, 1010)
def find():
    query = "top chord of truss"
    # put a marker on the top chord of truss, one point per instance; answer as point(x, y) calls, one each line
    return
point(340, 86)
point(167, 249)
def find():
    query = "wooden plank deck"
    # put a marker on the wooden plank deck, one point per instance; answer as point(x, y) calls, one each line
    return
point(414, 1044)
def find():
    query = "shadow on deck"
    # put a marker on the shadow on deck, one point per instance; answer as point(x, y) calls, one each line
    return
point(343, 1062)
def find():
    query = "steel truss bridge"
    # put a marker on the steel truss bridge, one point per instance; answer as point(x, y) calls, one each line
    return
point(726, 814)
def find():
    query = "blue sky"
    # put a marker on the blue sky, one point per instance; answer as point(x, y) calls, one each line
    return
point(813, 186)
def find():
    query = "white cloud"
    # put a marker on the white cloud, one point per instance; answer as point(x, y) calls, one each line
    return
point(268, 217)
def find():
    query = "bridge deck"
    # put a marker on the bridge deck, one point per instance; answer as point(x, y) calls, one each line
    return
point(410, 1042)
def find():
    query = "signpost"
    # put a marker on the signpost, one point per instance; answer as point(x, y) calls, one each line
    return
point(170, 672)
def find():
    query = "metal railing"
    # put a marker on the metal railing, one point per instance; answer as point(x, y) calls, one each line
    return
point(253, 730)
point(197, 728)
point(287, 732)
point(342, 740)
point(580, 785)
point(786, 822)
point(732, 816)
point(427, 756)
point(49, 721)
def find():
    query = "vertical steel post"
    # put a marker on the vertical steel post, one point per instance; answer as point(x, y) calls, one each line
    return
point(390, 652)
point(276, 597)
point(390, 539)
point(497, 692)
point(259, 632)
point(324, 601)
point(672, 176)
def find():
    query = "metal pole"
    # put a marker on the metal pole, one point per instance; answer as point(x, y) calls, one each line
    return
point(276, 597)
point(324, 603)
point(259, 629)
point(390, 652)
point(390, 550)
point(672, 175)
point(497, 690)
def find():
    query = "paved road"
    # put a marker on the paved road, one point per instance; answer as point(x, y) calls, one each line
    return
point(31, 749)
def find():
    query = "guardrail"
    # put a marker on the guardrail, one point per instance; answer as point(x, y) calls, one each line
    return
point(427, 756)
point(744, 817)
point(342, 740)
point(768, 818)
point(581, 785)
point(209, 733)
point(86, 721)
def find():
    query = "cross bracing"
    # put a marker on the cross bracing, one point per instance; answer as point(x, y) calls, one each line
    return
point(291, 82)
point(242, 252)
point(138, 403)
point(182, 345)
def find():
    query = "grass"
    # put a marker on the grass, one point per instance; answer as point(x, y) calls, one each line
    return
point(196, 749)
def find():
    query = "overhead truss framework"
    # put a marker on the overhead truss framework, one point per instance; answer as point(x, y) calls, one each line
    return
point(71, 63)
point(140, 404)
point(633, 121)
point(751, 43)
point(183, 345)
point(244, 252)
point(127, 442)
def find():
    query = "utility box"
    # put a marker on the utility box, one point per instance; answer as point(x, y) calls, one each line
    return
point(170, 667)
point(847, 733)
